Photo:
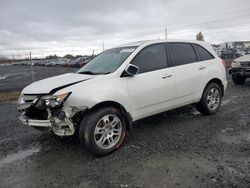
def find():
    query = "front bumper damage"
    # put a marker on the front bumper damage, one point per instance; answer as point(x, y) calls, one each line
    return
point(60, 120)
point(244, 72)
point(34, 122)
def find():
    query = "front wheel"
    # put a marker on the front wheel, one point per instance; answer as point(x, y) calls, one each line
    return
point(239, 79)
point(102, 131)
point(210, 100)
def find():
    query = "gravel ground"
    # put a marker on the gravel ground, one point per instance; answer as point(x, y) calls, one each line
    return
point(179, 148)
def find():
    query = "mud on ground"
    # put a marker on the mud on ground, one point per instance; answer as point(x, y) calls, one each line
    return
point(179, 148)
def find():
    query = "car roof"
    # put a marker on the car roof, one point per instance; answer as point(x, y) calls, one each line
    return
point(207, 45)
point(139, 43)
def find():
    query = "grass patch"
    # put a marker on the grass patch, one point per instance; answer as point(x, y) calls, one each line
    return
point(9, 96)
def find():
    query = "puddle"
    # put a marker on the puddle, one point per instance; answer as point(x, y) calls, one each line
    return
point(226, 130)
point(18, 156)
point(195, 112)
point(5, 64)
point(229, 137)
point(225, 102)
point(16, 75)
point(3, 77)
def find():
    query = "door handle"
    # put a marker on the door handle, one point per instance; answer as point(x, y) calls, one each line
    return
point(202, 67)
point(167, 76)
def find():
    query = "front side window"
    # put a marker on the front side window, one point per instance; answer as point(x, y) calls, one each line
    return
point(151, 58)
point(108, 61)
point(202, 53)
point(183, 53)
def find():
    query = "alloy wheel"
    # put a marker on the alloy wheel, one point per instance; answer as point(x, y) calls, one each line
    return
point(213, 99)
point(108, 131)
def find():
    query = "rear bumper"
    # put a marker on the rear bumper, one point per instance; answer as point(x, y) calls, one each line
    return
point(245, 72)
point(34, 122)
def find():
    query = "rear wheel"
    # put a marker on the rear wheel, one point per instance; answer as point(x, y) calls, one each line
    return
point(102, 131)
point(210, 100)
point(239, 79)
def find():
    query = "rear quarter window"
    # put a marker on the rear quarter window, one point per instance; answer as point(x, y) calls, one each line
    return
point(202, 53)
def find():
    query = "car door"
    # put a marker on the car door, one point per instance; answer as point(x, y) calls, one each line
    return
point(187, 73)
point(207, 66)
point(152, 90)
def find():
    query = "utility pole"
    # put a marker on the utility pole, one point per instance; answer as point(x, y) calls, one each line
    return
point(166, 32)
point(31, 67)
point(102, 46)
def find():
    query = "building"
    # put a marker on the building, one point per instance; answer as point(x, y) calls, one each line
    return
point(226, 45)
point(236, 45)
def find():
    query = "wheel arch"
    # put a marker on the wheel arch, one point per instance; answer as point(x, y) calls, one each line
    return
point(116, 106)
point(217, 81)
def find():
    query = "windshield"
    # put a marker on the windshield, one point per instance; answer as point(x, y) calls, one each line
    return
point(108, 61)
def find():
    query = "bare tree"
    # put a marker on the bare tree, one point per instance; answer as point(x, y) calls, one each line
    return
point(69, 56)
point(200, 36)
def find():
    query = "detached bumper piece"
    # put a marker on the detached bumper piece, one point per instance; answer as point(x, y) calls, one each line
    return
point(63, 127)
point(244, 72)
point(34, 122)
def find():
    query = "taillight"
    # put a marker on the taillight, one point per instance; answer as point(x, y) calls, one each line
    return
point(223, 62)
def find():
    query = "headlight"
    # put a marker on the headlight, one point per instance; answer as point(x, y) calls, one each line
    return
point(52, 101)
point(21, 100)
point(235, 64)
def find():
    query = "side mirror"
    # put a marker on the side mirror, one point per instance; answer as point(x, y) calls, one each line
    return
point(132, 70)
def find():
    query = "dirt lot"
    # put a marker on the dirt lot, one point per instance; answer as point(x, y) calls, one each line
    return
point(179, 148)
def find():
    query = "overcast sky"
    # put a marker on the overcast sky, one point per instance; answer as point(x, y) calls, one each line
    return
point(79, 26)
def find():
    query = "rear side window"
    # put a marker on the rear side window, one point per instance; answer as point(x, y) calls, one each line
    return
point(183, 53)
point(151, 58)
point(202, 53)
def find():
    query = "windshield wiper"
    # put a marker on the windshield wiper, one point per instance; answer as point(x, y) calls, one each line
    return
point(88, 72)
point(93, 73)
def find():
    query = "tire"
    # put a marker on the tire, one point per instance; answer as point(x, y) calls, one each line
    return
point(210, 100)
point(238, 80)
point(97, 126)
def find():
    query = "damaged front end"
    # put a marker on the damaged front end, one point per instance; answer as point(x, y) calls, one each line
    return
point(48, 111)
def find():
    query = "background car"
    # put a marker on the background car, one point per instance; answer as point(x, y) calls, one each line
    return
point(240, 68)
point(228, 53)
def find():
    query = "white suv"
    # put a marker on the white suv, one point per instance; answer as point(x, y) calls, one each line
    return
point(124, 84)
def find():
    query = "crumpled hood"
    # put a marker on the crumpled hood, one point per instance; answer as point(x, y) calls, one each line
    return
point(243, 58)
point(55, 83)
